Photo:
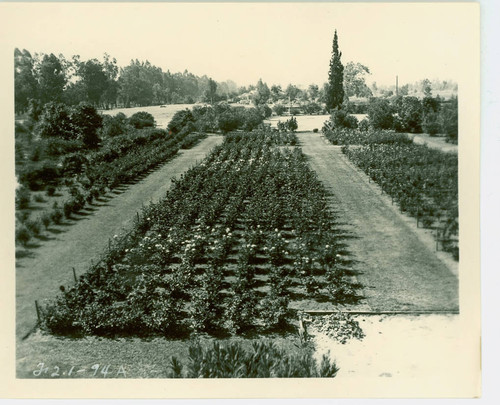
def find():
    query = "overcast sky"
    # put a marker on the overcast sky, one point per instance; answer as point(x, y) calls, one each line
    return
point(280, 43)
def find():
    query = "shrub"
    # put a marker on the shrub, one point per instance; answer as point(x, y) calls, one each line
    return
point(263, 360)
point(279, 109)
point(449, 119)
point(380, 114)
point(340, 119)
point(265, 110)
point(39, 198)
point(68, 208)
point(431, 124)
point(206, 312)
point(23, 234)
point(288, 126)
point(315, 130)
point(23, 198)
point(56, 215)
point(86, 121)
point(364, 125)
point(142, 119)
point(274, 311)
point(57, 147)
point(251, 119)
point(410, 112)
point(55, 122)
point(51, 190)
point(229, 121)
point(34, 226)
point(179, 120)
point(114, 125)
point(241, 310)
point(312, 108)
point(37, 175)
point(46, 220)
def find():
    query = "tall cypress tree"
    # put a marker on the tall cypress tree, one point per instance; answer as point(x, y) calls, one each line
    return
point(335, 94)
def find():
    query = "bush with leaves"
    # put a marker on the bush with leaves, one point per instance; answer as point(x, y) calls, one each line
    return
point(263, 360)
point(113, 125)
point(141, 119)
point(341, 119)
point(380, 113)
point(179, 121)
point(86, 122)
point(207, 310)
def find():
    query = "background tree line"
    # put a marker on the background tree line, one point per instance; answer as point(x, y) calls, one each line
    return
point(44, 78)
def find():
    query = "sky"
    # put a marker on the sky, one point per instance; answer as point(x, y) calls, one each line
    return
point(281, 43)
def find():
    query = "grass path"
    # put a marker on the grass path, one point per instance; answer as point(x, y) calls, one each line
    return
point(399, 271)
point(39, 275)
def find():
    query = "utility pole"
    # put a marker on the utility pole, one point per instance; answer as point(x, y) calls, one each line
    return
point(396, 85)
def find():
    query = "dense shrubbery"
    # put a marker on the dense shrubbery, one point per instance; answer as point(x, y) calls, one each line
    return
point(409, 114)
point(341, 119)
point(423, 181)
point(264, 360)
point(184, 247)
point(344, 136)
point(380, 114)
point(141, 119)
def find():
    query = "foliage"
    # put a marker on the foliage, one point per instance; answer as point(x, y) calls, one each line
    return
point(264, 360)
point(423, 181)
point(380, 114)
point(410, 113)
point(141, 119)
point(354, 80)
point(289, 125)
point(339, 136)
point(341, 119)
point(182, 246)
point(86, 122)
point(114, 125)
point(340, 326)
point(23, 198)
point(179, 120)
point(449, 120)
point(55, 122)
point(335, 90)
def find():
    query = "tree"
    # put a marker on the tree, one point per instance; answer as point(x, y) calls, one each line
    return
point(426, 88)
point(51, 79)
point(86, 121)
point(354, 80)
point(276, 92)
point(292, 92)
point(410, 113)
point(313, 91)
point(263, 93)
point(210, 93)
point(335, 91)
point(380, 114)
point(55, 122)
point(25, 84)
point(94, 79)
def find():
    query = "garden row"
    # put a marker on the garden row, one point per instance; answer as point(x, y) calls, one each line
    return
point(423, 181)
point(89, 176)
point(235, 241)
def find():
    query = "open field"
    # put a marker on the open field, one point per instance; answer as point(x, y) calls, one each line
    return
point(162, 115)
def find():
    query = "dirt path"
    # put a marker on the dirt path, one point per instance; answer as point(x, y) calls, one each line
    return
point(399, 271)
point(39, 275)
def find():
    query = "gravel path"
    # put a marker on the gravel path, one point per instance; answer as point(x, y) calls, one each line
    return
point(39, 275)
point(397, 267)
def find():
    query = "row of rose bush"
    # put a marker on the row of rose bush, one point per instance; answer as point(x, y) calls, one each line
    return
point(232, 242)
